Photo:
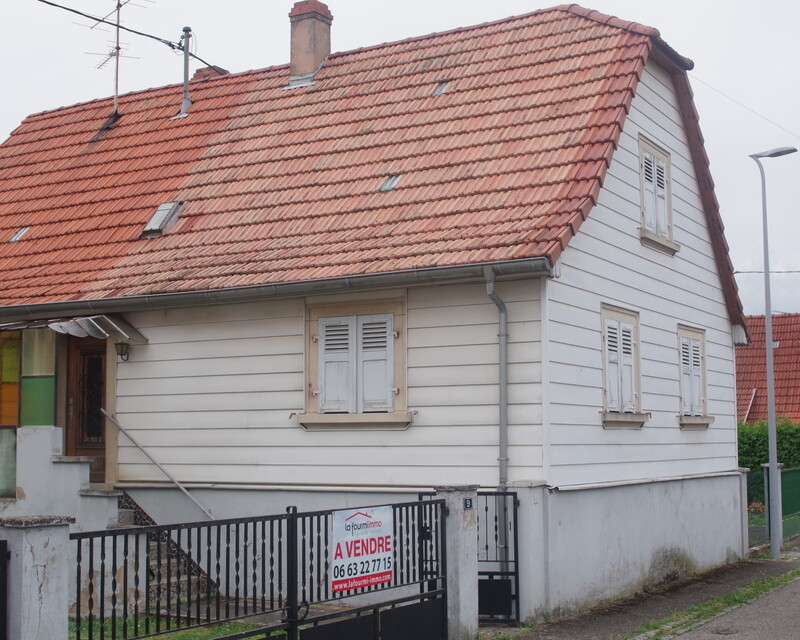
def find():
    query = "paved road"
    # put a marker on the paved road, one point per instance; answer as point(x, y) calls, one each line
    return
point(775, 616)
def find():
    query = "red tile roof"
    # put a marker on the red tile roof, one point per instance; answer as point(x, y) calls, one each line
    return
point(751, 369)
point(283, 186)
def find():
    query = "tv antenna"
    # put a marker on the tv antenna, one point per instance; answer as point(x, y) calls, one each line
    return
point(115, 53)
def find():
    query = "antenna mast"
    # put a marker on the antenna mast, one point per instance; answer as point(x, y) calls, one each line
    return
point(116, 59)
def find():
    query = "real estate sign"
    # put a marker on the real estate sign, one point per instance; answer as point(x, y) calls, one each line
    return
point(363, 546)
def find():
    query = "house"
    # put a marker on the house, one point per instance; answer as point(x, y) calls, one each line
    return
point(751, 369)
point(490, 256)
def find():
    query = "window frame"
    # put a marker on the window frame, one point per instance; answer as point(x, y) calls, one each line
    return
point(696, 417)
point(621, 410)
point(651, 233)
point(315, 419)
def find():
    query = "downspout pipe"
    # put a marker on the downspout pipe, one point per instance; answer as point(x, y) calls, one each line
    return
point(502, 335)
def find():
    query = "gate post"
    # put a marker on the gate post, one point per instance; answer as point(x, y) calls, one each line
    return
point(38, 580)
point(461, 545)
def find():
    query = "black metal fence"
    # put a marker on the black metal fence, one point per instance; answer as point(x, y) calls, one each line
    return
point(4, 560)
point(144, 581)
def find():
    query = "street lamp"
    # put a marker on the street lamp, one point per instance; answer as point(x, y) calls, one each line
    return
point(775, 508)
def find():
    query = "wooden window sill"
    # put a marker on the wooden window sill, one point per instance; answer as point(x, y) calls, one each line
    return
point(395, 421)
point(616, 420)
point(690, 423)
point(659, 242)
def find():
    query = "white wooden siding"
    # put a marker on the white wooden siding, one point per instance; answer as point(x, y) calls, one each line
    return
point(211, 394)
point(607, 264)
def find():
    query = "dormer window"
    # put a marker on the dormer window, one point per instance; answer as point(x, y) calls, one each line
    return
point(164, 217)
point(18, 234)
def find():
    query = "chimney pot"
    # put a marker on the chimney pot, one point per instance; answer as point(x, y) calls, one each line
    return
point(204, 73)
point(311, 37)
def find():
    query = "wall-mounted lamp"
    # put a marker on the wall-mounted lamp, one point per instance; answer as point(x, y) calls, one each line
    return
point(122, 350)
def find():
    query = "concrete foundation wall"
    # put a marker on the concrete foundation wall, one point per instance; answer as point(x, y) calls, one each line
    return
point(577, 547)
point(610, 542)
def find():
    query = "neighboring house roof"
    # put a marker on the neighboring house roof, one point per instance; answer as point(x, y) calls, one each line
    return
point(284, 186)
point(751, 369)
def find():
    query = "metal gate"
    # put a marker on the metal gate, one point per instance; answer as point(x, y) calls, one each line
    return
point(498, 566)
point(145, 581)
point(4, 560)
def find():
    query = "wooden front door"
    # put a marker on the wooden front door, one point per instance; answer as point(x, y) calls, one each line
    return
point(86, 395)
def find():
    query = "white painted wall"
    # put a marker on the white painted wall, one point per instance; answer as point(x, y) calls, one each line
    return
point(608, 543)
point(606, 263)
point(211, 395)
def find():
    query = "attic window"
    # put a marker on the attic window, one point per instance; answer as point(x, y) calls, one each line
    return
point(18, 234)
point(440, 88)
point(162, 219)
point(391, 182)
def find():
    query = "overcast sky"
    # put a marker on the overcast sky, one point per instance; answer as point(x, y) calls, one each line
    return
point(746, 50)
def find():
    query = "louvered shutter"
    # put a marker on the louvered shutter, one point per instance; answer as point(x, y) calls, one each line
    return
point(686, 376)
point(654, 172)
point(612, 365)
point(697, 378)
point(660, 197)
point(375, 363)
point(649, 181)
point(627, 387)
point(337, 365)
point(691, 377)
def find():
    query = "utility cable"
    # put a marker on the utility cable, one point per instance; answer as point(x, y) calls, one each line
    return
point(771, 271)
point(172, 45)
point(744, 106)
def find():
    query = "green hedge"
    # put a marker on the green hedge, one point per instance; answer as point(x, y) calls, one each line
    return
point(753, 452)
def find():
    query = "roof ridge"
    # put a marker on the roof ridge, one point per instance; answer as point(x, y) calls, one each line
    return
point(447, 32)
point(609, 20)
point(569, 8)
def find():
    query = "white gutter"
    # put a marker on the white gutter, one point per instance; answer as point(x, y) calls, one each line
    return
point(529, 266)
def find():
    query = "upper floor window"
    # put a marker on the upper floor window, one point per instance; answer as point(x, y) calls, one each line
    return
point(656, 192)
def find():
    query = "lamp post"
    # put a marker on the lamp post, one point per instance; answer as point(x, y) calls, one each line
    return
point(775, 508)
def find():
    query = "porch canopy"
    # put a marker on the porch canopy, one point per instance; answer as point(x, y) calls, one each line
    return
point(101, 326)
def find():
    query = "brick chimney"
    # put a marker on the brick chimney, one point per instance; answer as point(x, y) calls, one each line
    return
point(311, 37)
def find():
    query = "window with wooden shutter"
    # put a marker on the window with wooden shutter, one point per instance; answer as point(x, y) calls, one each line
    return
point(337, 365)
point(654, 167)
point(620, 366)
point(692, 373)
point(375, 363)
point(613, 396)
point(356, 364)
point(621, 370)
point(627, 387)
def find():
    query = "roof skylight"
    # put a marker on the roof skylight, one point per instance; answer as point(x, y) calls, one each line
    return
point(391, 182)
point(18, 234)
point(164, 217)
point(440, 88)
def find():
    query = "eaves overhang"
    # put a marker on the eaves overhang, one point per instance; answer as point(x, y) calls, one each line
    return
point(536, 267)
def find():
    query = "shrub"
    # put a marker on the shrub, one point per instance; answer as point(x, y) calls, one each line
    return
point(754, 451)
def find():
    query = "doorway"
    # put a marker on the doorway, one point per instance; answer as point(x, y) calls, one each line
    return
point(86, 395)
